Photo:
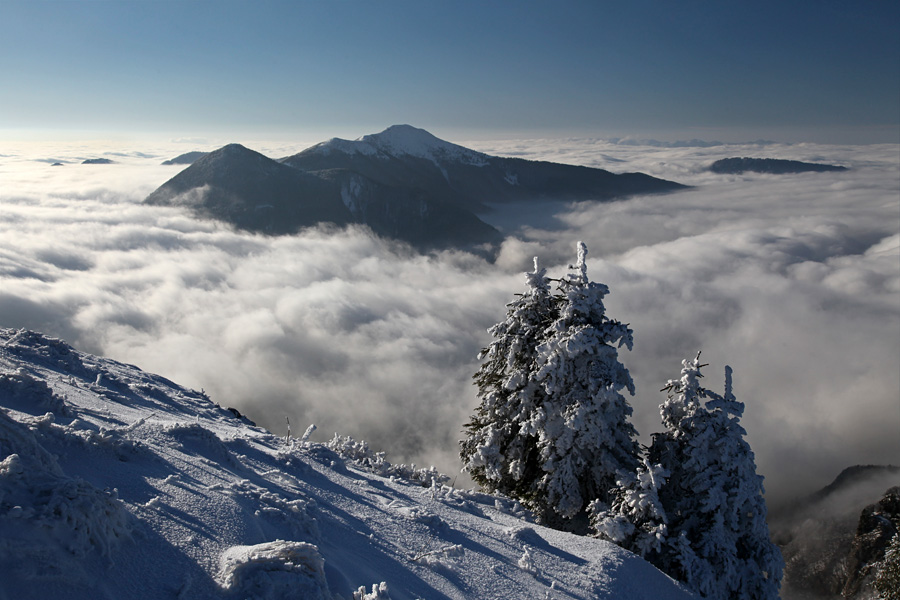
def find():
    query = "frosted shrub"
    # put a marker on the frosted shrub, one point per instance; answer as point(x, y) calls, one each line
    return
point(362, 456)
point(526, 562)
point(379, 592)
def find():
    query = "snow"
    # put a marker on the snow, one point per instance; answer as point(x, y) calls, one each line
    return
point(350, 193)
point(400, 140)
point(116, 483)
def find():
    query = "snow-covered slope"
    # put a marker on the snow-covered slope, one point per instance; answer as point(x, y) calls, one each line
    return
point(115, 483)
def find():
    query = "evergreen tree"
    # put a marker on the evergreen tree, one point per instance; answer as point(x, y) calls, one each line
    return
point(635, 519)
point(586, 440)
point(552, 428)
point(500, 450)
point(718, 540)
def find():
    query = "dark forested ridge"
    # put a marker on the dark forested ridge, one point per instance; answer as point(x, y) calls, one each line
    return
point(775, 166)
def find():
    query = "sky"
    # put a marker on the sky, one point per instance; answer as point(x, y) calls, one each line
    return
point(823, 71)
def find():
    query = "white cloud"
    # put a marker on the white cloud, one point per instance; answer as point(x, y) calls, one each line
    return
point(793, 280)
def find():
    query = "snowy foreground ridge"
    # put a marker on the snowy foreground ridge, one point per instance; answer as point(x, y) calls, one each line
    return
point(115, 483)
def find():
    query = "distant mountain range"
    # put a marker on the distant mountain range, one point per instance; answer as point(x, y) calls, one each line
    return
point(404, 183)
point(776, 166)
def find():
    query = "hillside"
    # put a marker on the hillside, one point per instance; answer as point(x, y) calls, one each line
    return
point(823, 536)
point(116, 483)
point(253, 192)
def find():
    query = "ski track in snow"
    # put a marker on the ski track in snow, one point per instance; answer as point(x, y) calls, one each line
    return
point(116, 483)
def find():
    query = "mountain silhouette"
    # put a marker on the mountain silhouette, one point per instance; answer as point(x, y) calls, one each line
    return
point(775, 166)
point(407, 157)
point(403, 183)
point(252, 192)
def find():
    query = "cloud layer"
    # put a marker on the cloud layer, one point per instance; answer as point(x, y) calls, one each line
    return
point(792, 280)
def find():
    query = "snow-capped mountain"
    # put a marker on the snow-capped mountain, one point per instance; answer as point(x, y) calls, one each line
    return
point(404, 140)
point(403, 183)
point(406, 157)
point(116, 483)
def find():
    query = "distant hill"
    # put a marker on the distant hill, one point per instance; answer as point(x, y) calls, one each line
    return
point(403, 183)
point(97, 161)
point(825, 537)
point(253, 192)
point(775, 166)
point(185, 159)
point(854, 476)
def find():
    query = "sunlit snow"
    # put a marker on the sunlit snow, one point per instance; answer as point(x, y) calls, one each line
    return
point(116, 483)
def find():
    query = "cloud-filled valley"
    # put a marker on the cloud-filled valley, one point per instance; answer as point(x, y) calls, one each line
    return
point(793, 280)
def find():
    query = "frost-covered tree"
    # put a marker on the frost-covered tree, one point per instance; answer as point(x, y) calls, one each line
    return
point(718, 540)
point(586, 440)
point(552, 429)
point(635, 519)
point(501, 449)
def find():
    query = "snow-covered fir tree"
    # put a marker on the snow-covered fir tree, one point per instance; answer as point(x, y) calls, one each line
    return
point(636, 519)
point(718, 540)
point(501, 449)
point(586, 440)
point(552, 429)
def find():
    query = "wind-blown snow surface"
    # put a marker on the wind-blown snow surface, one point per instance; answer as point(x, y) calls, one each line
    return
point(115, 483)
point(793, 280)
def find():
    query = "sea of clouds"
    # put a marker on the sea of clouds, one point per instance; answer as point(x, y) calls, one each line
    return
point(793, 280)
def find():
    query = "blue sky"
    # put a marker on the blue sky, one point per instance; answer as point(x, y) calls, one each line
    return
point(791, 71)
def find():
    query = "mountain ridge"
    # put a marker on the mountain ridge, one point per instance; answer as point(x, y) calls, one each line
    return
point(403, 183)
point(772, 166)
point(407, 157)
point(819, 534)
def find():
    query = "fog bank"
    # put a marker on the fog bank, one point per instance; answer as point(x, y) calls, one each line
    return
point(793, 280)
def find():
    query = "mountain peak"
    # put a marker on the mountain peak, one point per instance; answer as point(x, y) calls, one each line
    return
point(233, 150)
point(403, 140)
point(406, 139)
point(231, 158)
